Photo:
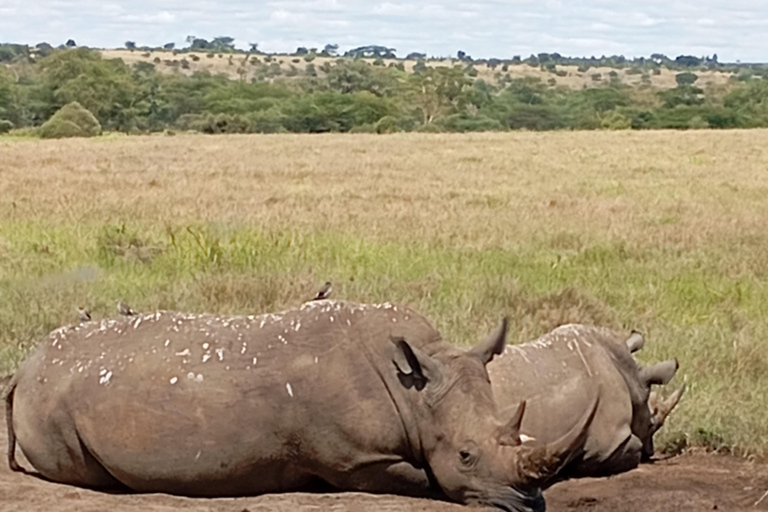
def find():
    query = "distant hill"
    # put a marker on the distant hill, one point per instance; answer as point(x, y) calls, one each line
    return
point(243, 66)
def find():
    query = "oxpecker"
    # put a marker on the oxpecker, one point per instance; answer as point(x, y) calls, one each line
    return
point(124, 309)
point(324, 292)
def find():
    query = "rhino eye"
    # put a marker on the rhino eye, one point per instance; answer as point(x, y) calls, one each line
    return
point(468, 456)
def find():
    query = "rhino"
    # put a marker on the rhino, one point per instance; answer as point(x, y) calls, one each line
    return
point(330, 393)
point(554, 375)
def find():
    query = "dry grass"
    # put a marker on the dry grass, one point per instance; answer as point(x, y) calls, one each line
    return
point(575, 79)
point(661, 231)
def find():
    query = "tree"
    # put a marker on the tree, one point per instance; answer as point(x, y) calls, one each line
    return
point(686, 78)
point(416, 56)
point(254, 47)
point(71, 43)
point(130, 45)
point(169, 46)
point(330, 50)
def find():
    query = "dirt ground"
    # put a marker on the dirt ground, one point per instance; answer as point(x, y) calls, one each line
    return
point(688, 483)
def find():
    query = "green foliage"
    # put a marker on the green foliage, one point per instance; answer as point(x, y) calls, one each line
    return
point(72, 120)
point(686, 78)
point(387, 124)
point(350, 92)
point(5, 126)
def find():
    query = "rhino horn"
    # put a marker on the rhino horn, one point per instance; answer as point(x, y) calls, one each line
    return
point(662, 410)
point(660, 373)
point(510, 435)
point(493, 344)
point(635, 341)
point(537, 466)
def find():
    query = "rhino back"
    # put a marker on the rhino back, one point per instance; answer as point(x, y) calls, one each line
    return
point(168, 400)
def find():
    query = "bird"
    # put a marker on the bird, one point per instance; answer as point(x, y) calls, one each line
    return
point(324, 292)
point(85, 315)
point(124, 309)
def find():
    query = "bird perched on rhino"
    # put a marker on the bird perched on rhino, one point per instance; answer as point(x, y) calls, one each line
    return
point(124, 309)
point(85, 315)
point(324, 292)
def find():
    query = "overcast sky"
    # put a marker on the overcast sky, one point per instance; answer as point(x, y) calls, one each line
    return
point(734, 29)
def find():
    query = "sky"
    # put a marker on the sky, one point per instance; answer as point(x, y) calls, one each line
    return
point(733, 29)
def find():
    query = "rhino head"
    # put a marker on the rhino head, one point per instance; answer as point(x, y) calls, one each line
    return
point(471, 454)
point(649, 412)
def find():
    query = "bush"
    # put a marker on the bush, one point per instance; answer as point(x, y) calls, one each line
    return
point(157, 60)
point(615, 121)
point(686, 78)
point(429, 128)
point(72, 120)
point(363, 128)
point(309, 57)
point(387, 124)
point(5, 126)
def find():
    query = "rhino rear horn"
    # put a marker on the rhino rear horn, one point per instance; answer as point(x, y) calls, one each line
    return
point(663, 409)
point(510, 434)
point(660, 373)
point(493, 344)
point(635, 341)
point(537, 466)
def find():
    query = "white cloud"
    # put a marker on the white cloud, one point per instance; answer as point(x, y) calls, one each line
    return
point(483, 28)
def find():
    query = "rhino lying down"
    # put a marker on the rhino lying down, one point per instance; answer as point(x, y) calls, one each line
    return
point(554, 374)
point(332, 392)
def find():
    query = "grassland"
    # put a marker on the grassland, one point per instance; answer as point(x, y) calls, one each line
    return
point(240, 68)
point(660, 231)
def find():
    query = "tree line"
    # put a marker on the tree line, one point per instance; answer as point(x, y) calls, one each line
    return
point(354, 95)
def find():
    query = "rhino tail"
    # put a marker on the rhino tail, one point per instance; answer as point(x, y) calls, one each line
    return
point(8, 399)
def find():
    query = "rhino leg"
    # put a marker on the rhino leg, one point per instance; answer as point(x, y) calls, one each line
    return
point(8, 398)
point(390, 478)
point(625, 458)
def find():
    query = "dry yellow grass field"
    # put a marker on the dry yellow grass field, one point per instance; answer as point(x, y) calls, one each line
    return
point(660, 231)
point(574, 79)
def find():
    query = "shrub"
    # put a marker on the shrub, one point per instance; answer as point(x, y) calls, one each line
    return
point(157, 60)
point(387, 124)
point(194, 58)
point(429, 128)
point(5, 126)
point(597, 77)
point(615, 121)
point(209, 55)
point(309, 57)
point(363, 128)
point(686, 78)
point(72, 120)
point(471, 71)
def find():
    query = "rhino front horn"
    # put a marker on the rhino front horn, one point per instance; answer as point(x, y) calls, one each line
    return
point(663, 409)
point(537, 466)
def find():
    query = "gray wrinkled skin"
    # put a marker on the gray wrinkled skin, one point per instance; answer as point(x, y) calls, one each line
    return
point(208, 405)
point(556, 374)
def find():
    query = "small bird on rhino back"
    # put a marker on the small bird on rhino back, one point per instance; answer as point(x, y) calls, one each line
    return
point(85, 315)
point(124, 309)
point(324, 292)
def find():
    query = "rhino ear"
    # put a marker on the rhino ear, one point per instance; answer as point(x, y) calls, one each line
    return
point(414, 367)
point(510, 434)
point(660, 373)
point(635, 341)
point(493, 344)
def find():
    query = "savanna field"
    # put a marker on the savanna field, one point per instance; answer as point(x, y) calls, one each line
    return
point(664, 232)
